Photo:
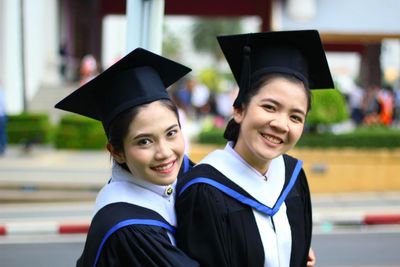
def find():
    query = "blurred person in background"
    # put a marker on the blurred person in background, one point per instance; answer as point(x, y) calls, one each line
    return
point(182, 96)
point(355, 102)
point(200, 98)
point(386, 101)
point(249, 204)
point(370, 105)
point(3, 121)
point(134, 219)
point(88, 69)
point(396, 112)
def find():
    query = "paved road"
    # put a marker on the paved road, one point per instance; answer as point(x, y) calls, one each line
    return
point(344, 248)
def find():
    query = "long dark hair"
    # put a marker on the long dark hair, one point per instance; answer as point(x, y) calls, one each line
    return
point(233, 128)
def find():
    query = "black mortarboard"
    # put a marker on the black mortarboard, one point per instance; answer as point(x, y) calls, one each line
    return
point(138, 78)
point(299, 53)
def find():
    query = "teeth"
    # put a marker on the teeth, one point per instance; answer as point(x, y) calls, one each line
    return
point(272, 139)
point(165, 167)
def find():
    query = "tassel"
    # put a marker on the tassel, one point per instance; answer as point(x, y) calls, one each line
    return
point(244, 85)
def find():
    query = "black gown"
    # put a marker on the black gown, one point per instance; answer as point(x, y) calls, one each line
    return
point(216, 229)
point(124, 234)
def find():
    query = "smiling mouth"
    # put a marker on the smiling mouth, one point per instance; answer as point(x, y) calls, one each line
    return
point(164, 167)
point(272, 139)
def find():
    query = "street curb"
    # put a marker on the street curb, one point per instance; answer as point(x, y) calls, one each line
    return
point(82, 228)
point(74, 229)
point(367, 219)
point(374, 219)
point(10, 229)
point(2, 230)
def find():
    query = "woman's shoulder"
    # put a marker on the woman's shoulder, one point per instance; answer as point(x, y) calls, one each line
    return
point(132, 245)
point(119, 222)
point(202, 185)
point(119, 210)
point(290, 158)
point(115, 216)
point(201, 170)
point(197, 175)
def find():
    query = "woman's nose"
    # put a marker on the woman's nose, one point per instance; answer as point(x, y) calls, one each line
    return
point(163, 150)
point(280, 123)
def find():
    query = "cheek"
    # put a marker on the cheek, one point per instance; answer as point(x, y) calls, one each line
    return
point(136, 156)
point(179, 145)
point(137, 163)
point(296, 131)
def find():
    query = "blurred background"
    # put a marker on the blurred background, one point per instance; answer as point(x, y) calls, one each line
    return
point(52, 164)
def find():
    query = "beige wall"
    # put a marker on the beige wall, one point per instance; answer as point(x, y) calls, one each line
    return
point(341, 170)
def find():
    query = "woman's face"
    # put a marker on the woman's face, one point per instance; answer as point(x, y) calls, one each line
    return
point(154, 145)
point(271, 123)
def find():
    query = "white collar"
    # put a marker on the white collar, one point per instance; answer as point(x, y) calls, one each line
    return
point(119, 174)
point(229, 163)
point(124, 187)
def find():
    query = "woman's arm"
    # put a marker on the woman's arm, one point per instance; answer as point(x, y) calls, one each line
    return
point(142, 245)
point(202, 226)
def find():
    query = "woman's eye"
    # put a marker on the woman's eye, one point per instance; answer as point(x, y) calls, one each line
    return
point(269, 107)
point(297, 118)
point(144, 142)
point(172, 133)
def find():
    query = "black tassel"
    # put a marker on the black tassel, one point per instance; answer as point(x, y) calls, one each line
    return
point(245, 76)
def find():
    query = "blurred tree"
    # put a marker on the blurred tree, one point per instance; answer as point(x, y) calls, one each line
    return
point(171, 46)
point(205, 31)
point(328, 107)
point(211, 78)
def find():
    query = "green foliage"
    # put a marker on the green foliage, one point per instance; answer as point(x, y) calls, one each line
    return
point(360, 138)
point(211, 135)
point(23, 128)
point(211, 78)
point(328, 107)
point(77, 132)
point(171, 45)
point(205, 30)
point(369, 137)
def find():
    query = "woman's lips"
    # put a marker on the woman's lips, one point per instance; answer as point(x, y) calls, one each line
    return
point(273, 139)
point(165, 167)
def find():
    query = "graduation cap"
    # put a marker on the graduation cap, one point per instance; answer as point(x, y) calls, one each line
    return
point(138, 78)
point(299, 53)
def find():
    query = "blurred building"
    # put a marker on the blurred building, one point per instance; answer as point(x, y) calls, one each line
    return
point(43, 41)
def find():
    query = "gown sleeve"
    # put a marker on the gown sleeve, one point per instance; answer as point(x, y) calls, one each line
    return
point(217, 230)
point(201, 232)
point(142, 245)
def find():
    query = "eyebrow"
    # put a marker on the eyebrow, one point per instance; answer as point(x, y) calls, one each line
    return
point(142, 135)
point(297, 110)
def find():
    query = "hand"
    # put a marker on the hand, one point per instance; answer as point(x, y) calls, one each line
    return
point(311, 258)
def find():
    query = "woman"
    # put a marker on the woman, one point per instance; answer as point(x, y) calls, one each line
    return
point(249, 204)
point(134, 219)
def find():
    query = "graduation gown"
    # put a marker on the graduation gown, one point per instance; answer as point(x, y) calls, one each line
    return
point(133, 225)
point(217, 217)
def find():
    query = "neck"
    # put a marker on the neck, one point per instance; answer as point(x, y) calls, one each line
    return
point(260, 166)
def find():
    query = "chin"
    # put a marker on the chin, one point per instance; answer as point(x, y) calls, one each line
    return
point(270, 156)
point(165, 180)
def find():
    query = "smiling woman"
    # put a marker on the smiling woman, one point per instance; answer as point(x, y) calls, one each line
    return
point(134, 217)
point(153, 147)
point(282, 104)
point(257, 221)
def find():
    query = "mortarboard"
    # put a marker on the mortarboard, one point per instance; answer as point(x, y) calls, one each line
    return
point(138, 78)
point(299, 53)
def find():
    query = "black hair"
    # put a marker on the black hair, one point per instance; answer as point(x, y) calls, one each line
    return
point(119, 127)
point(233, 128)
